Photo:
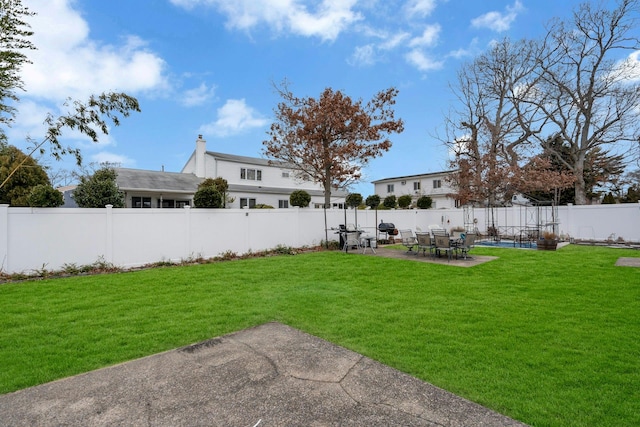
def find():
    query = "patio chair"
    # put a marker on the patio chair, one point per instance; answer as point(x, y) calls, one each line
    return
point(408, 239)
point(351, 239)
point(467, 243)
point(424, 243)
point(443, 244)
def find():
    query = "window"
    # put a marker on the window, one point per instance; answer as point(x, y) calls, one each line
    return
point(182, 203)
point(251, 174)
point(166, 203)
point(285, 174)
point(389, 188)
point(141, 202)
point(416, 185)
point(437, 183)
point(244, 202)
point(283, 204)
point(339, 206)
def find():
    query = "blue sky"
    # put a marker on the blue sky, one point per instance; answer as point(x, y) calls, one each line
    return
point(207, 67)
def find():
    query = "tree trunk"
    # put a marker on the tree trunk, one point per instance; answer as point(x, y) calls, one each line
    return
point(579, 186)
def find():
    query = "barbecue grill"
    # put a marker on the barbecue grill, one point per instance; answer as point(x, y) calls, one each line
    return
point(388, 227)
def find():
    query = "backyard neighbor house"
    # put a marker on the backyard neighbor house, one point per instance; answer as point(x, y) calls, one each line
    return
point(252, 181)
point(434, 185)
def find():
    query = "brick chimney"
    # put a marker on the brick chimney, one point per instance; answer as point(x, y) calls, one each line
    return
point(201, 149)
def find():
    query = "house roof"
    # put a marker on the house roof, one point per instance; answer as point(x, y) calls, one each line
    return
point(422, 175)
point(146, 180)
point(247, 159)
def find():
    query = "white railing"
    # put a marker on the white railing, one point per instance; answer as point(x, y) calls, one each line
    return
point(49, 238)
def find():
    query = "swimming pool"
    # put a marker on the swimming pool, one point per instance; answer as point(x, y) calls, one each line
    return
point(506, 244)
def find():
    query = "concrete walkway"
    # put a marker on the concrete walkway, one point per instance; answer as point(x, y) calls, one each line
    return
point(270, 375)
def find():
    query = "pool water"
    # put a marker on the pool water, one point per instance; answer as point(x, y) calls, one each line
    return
point(506, 244)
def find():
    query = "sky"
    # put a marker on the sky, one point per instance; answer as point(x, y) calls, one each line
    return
point(208, 67)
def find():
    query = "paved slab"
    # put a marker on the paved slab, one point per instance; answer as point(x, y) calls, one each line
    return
point(270, 375)
point(470, 261)
point(628, 262)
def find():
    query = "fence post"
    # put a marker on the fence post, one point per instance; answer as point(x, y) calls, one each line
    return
point(4, 238)
point(109, 234)
point(187, 234)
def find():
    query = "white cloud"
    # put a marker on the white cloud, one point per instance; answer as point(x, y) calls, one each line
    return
point(498, 21)
point(68, 63)
point(628, 70)
point(327, 21)
point(469, 51)
point(107, 157)
point(234, 117)
point(429, 36)
point(420, 8)
point(421, 61)
point(363, 56)
point(394, 41)
point(198, 95)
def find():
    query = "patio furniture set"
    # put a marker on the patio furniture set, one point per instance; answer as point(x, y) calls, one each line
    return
point(438, 242)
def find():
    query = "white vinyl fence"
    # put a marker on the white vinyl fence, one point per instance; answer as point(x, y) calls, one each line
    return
point(48, 238)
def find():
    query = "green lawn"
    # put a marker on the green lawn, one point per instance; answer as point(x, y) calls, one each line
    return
point(548, 338)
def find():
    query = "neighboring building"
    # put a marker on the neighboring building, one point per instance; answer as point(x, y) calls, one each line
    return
point(156, 189)
point(67, 192)
point(254, 180)
point(434, 185)
point(251, 181)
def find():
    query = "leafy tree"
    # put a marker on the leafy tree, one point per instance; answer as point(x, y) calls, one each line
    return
point(45, 196)
point(608, 199)
point(210, 194)
point(424, 202)
point(90, 118)
point(404, 201)
point(633, 194)
point(99, 190)
point(17, 188)
point(220, 185)
point(353, 200)
point(389, 202)
point(300, 198)
point(373, 201)
point(14, 34)
point(633, 187)
point(330, 139)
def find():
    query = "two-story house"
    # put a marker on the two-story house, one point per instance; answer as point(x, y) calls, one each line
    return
point(251, 180)
point(434, 185)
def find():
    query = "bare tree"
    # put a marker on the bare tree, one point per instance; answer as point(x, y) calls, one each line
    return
point(491, 131)
point(589, 95)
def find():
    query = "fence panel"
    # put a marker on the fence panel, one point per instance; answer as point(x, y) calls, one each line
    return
point(36, 238)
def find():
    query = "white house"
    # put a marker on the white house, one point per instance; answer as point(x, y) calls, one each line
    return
point(251, 181)
point(254, 180)
point(434, 185)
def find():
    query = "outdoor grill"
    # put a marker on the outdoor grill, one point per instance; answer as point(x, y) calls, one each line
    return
point(387, 227)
